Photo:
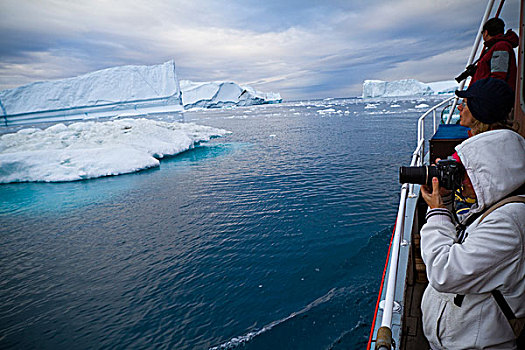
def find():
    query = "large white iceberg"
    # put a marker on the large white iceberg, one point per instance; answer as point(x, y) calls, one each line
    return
point(218, 94)
point(87, 150)
point(125, 90)
point(121, 91)
point(406, 87)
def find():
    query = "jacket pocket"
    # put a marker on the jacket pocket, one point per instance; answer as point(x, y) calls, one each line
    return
point(467, 325)
point(432, 308)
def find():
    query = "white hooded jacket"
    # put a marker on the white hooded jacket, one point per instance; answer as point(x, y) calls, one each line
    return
point(492, 257)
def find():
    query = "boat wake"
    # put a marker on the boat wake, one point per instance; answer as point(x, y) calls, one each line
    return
point(237, 341)
point(338, 318)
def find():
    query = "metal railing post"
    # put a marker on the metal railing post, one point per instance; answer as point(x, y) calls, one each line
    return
point(421, 138)
point(434, 121)
point(384, 333)
point(392, 270)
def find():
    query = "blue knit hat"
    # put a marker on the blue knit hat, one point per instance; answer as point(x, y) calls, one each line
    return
point(489, 100)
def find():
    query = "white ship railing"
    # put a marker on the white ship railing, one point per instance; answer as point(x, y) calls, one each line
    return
point(406, 192)
point(419, 153)
point(417, 160)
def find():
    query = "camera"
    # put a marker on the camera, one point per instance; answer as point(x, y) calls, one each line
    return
point(448, 171)
point(469, 72)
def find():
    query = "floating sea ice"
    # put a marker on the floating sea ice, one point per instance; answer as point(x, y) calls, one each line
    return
point(370, 106)
point(395, 106)
point(91, 149)
point(237, 117)
point(422, 105)
point(326, 111)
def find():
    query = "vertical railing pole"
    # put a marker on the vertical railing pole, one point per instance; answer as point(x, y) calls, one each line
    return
point(421, 150)
point(434, 121)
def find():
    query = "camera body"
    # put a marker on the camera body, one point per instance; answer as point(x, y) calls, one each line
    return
point(449, 173)
point(469, 72)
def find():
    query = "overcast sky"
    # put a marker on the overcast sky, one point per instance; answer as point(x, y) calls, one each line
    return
point(300, 48)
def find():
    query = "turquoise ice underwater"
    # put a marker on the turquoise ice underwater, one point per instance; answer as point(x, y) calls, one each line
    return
point(271, 237)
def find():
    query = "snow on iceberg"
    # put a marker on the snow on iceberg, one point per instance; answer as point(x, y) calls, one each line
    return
point(93, 149)
point(218, 94)
point(406, 87)
point(444, 87)
point(125, 90)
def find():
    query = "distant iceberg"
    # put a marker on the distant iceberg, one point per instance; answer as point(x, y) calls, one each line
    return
point(444, 87)
point(118, 91)
point(218, 94)
point(406, 87)
point(90, 149)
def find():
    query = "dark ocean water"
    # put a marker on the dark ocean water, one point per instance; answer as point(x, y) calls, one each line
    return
point(273, 237)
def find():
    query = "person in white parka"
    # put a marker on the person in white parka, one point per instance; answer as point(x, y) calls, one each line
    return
point(466, 275)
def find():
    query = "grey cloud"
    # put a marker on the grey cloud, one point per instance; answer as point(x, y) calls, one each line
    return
point(299, 48)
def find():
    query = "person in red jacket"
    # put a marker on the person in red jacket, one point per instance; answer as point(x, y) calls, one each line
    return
point(497, 59)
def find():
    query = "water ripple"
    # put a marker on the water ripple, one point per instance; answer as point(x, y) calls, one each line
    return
point(216, 245)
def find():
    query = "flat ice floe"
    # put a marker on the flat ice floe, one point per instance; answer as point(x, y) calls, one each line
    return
point(94, 149)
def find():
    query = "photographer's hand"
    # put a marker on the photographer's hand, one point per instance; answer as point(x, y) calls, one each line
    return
point(442, 191)
point(433, 198)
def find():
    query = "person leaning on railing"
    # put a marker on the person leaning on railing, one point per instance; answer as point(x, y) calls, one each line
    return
point(497, 59)
point(476, 268)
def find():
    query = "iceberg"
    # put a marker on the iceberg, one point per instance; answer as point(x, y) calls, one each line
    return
point(121, 92)
point(118, 91)
point(444, 87)
point(86, 150)
point(406, 87)
point(217, 94)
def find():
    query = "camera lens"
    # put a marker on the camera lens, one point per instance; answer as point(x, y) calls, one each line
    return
point(421, 175)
